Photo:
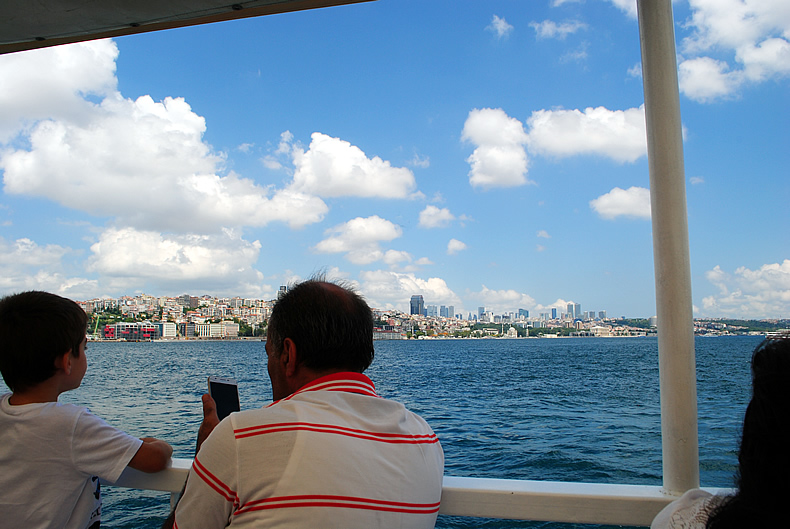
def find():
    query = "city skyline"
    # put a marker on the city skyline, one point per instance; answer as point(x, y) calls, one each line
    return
point(478, 154)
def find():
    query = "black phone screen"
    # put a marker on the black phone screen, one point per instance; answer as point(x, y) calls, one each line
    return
point(226, 396)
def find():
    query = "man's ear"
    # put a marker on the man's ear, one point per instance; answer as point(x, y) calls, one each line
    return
point(63, 362)
point(288, 357)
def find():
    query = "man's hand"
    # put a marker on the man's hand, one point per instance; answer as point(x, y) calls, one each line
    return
point(210, 420)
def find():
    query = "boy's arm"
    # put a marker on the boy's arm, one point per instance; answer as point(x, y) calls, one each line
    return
point(152, 456)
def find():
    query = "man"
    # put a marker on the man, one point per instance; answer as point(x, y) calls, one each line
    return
point(328, 452)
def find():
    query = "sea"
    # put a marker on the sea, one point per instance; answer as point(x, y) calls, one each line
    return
point(564, 409)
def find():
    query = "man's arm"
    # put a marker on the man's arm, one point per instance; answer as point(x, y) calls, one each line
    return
point(152, 456)
point(210, 421)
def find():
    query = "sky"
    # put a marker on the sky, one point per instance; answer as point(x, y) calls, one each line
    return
point(476, 153)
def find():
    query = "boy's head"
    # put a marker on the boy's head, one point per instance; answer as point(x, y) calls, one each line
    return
point(35, 329)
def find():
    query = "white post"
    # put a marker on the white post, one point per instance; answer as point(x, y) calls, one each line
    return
point(677, 373)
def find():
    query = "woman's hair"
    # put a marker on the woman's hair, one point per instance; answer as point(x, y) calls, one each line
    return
point(764, 455)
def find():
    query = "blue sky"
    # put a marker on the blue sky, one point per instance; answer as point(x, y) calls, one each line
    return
point(477, 153)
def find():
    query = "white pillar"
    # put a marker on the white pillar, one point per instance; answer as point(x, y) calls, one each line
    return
point(670, 247)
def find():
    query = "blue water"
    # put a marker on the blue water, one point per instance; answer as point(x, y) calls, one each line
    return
point(575, 409)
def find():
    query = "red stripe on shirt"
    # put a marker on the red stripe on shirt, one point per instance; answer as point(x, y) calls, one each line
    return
point(347, 502)
point(215, 483)
point(347, 381)
point(338, 430)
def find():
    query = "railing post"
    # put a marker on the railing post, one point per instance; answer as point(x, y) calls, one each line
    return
point(677, 372)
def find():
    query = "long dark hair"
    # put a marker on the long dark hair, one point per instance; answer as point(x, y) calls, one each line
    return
point(764, 455)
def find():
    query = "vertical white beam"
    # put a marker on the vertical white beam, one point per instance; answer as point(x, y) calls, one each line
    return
point(670, 247)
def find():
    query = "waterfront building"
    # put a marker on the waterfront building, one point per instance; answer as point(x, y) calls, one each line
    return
point(417, 305)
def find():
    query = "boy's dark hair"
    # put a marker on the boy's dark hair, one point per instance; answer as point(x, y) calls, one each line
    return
point(35, 328)
point(330, 324)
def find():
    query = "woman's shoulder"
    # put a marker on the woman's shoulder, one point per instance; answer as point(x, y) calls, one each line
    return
point(690, 511)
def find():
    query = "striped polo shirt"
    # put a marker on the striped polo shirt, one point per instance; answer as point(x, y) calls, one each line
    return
point(332, 454)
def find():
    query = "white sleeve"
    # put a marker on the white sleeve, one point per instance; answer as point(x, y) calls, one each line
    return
point(211, 495)
point(685, 512)
point(99, 449)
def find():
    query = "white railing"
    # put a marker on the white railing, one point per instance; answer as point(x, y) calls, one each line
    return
point(550, 501)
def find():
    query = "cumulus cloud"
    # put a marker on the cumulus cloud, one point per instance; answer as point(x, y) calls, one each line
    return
point(750, 38)
point(500, 157)
point(26, 265)
point(359, 239)
point(757, 294)
point(500, 301)
point(392, 290)
point(632, 202)
point(433, 217)
point(616, 134)
point(221, 262)
point(499, 27)
point(549, 29)
point(141, 161)
point(52, 83)
point(455, 246)
point(626, 6)
point(332, 167)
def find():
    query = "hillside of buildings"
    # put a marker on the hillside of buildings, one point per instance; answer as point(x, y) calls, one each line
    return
point(142, 318)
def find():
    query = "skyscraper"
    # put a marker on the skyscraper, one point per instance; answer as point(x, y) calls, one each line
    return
point(417, 305)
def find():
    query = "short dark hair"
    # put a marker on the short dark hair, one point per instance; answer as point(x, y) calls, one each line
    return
point(331, 325)
point(35, 328)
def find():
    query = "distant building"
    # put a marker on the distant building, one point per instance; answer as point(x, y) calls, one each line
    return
point(553, 313)
point(417, 305)
point(443, 312)
point(602, 314)
point(432, 311)
point(523, 312)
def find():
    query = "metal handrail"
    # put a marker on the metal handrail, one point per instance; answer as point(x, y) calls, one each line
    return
point(550, 501)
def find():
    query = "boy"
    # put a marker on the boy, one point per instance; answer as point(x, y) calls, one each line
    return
point(52, 455)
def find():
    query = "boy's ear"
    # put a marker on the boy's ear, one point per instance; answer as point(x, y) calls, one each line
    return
point(63, 362)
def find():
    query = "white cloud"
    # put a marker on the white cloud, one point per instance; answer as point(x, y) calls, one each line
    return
point(499, 159)
point(332, 167)
point(25, 265)
point(500, 27)
point(616, 134)
point(143, 162)
point(359, 239)
point(543, 234)
point(751, 39)
point(455, 246)
point(704, 79)
point(549, 29)
point(631, 202)
point(433, 217)
point(51, 83)
point(221, 263)
point(635, 70)
point(392, 290)
point(500, 301)
point(756, 294)
point(695, 180)
point(626, 6)
point(423, 162)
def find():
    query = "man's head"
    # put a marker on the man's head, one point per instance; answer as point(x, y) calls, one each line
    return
point(329, 324)
point(35, 329)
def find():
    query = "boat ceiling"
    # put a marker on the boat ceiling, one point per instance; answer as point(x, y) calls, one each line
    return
point(30, 24)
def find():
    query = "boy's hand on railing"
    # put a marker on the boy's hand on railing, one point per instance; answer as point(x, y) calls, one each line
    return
point(210, 420)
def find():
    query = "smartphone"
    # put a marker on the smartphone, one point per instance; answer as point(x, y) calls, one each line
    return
point(225, 392)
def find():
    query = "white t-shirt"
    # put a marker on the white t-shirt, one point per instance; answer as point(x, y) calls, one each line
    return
point(51, 455)
point(332, 455)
